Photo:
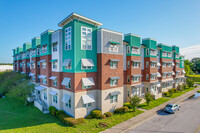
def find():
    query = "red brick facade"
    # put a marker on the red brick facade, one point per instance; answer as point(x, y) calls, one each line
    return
point(104, 72)
point(165, 69)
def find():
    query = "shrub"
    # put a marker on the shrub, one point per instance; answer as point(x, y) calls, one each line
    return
point(70, 121)
point(184, 86)
point(62, 116)
point(127, 105)
point(198, 91)
point(125, 109)
point(165, 93)
point(89, 117)
point(80, 120)
point(170, 91)
point(121, 110)
point(103, 117)
point(52, 110)
point(108, 114)
point(95, 113)
point(59, 112)
point(175, 90)
point(190, 82)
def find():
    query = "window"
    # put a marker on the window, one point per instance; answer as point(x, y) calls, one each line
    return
point(113, 82)
point(55, 82)
point(87, 105)
point(169, 74)
point(177, 64)
point(164, 75)
point(164, 65)
point(147, 76)
point(55, 99)
point(33, 78)
point(44, 49)
point(69, 66)
point(113, 48)
point(33, 52)
point(136, 79)
point(113, 64)
point(44, 65)
point(44, 81)
point(128, 49)
point(24, 65)
point(153, 64)
point(128, 64)
point(182, 63)
point(38, 79)
point(33, 65)
point(28, 64)
point(38, 65)
point(69, 103)
point(153, 77)
point(86, 38)
point(164, 54)
point(153, 52)
point(177, 73)
point(169, 64)
point(177, 55)
point(86, 87)
point(136, 64)
point(68, 38)
point(135, 50)
point(147, 64)
point(54, 47)
point(147, 51)
point(113, 99)
point(128, 78)
point(85, 67)
point(169, 54)
point(38, 51)
point(45, 96)
point(69, 85)
point(55, 64)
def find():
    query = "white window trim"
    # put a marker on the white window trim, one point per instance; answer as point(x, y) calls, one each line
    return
point(86, 38)
point(68, 36)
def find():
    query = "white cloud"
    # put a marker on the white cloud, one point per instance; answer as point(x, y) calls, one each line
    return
point(191, 51)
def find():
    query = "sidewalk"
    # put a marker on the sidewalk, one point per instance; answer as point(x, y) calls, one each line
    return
point(147, 115)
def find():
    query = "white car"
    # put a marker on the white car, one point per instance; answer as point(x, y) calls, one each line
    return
point(171, 108)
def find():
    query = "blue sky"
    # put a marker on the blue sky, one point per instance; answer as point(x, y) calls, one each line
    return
point(174, 22)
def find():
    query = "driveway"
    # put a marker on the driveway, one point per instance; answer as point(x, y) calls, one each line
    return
point(187, 120)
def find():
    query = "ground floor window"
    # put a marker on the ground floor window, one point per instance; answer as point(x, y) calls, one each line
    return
point(45, 96)
point(69, 103)
point(113, 99)
point(55, 99)
point(87, 105)
point(55, 82)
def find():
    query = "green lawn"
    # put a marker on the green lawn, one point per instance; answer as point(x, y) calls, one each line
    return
point(18, 118)
point(174, 95)
point(154, 103)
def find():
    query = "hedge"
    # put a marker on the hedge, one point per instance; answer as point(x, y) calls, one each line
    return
point(121, 110)
point(95, 113)
point(52, 110)
point(195, 78)
point(127, 105)
point(108, 114)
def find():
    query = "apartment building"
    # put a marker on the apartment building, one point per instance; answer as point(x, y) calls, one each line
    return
point(81, 67)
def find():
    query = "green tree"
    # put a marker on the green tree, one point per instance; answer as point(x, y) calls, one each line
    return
point(190, 82)
point(22, 91)
point(148, 97)
point(134, 102)
point(188, 65)
point(196, 65)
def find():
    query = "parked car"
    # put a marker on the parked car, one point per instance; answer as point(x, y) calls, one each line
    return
point(171, 108)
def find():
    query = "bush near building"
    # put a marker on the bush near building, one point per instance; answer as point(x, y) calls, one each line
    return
point(95, 113)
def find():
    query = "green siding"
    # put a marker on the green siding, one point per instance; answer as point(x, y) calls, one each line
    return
point(76, 54)
point(150, 44)
point(46, 40)
point(36, 42)
point(181, 61)
point(26, 46)
point(165, 48)
point(176, 51)
point(134, 41)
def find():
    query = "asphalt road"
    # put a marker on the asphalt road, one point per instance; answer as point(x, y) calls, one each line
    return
point(186, 120)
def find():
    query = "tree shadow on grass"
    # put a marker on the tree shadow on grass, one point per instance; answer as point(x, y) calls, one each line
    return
point(14, 114)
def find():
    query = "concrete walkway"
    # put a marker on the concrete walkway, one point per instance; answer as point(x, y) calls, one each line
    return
point(147, 115)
